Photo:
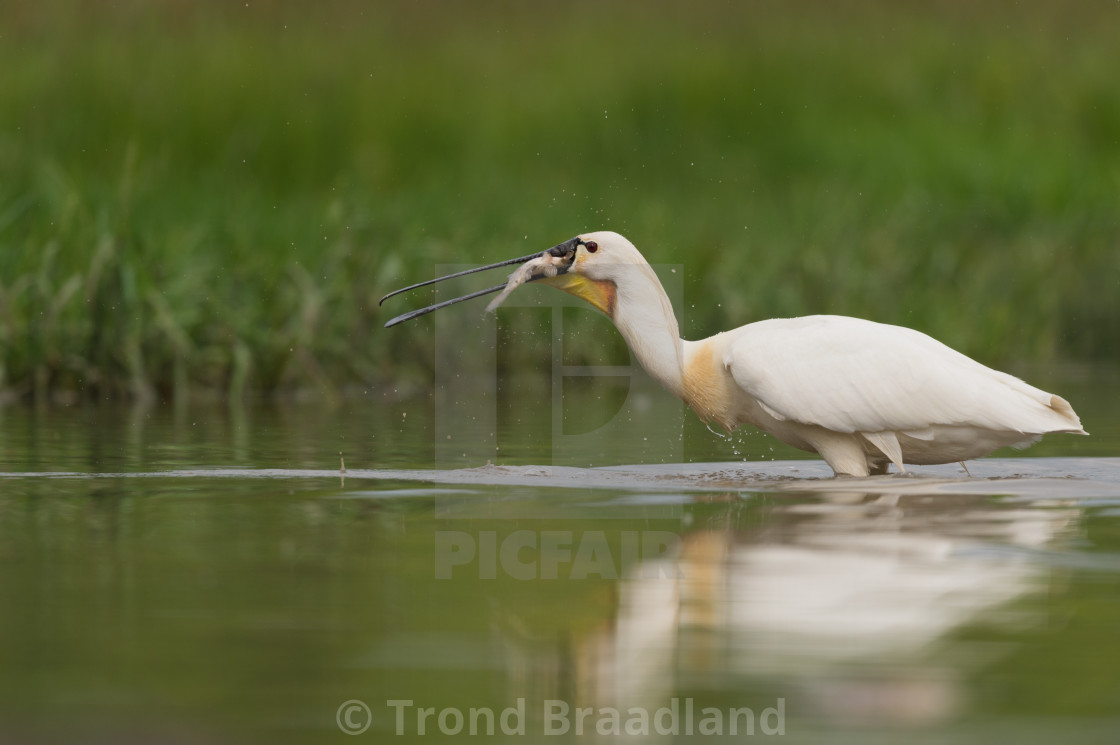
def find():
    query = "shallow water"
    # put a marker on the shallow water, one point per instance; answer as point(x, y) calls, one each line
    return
point(212, 575)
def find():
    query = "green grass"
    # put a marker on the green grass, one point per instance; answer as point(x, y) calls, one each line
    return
point(211, 196)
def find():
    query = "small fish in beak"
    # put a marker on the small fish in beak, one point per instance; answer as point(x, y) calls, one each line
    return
point(549, 264)
point(544, 266)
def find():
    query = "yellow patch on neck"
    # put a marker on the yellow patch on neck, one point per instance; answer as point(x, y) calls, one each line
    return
point(601, 293)
point(706, 388)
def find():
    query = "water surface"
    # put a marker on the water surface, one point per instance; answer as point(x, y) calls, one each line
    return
point(204, 574)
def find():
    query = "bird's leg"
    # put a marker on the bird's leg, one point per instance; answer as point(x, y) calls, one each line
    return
point(878, 467)
point(841, 451)
point(962, 465)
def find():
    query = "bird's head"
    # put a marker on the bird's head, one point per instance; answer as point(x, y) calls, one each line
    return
point(592, 266)
point(597, 264)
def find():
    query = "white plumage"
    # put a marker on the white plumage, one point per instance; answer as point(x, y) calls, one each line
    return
point(859, 393)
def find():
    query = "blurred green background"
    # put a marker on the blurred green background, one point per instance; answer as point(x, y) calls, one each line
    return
point(211, 196)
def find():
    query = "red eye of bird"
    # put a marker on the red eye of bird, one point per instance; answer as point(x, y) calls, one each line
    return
point(591, 246)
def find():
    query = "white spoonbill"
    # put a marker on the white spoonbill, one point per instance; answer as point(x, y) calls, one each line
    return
point(859, 393)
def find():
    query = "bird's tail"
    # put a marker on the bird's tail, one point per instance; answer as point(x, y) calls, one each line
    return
point(1062, 408)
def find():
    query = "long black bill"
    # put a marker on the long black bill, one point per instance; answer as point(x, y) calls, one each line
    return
point(565, 249)
point(508, 262)
point(425, 311)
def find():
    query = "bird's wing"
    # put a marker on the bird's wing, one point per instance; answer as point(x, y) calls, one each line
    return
point(851, 375)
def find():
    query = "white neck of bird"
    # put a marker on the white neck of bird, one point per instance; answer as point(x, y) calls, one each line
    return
point(644, 316)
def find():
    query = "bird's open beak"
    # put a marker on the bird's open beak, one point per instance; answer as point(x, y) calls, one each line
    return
point(565, 251)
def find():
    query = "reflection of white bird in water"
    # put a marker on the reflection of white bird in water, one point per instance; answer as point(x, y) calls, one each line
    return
point(859, 393)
